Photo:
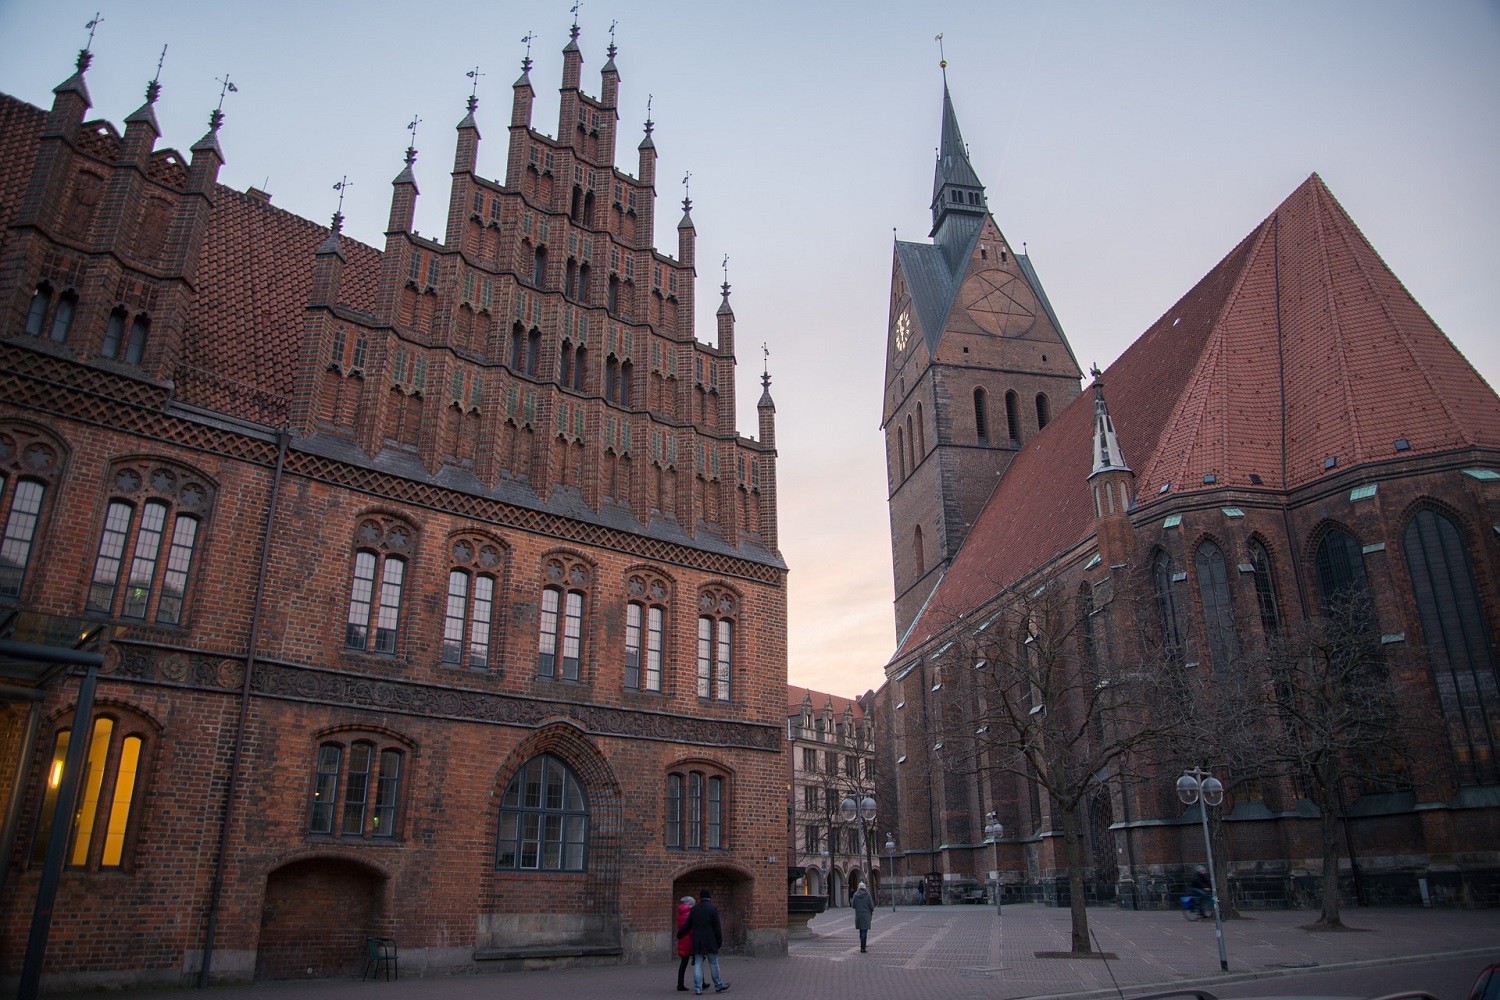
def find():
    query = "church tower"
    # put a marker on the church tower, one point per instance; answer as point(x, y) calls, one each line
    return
point(976, 365)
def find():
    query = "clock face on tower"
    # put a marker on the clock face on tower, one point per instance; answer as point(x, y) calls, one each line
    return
point(903, 329)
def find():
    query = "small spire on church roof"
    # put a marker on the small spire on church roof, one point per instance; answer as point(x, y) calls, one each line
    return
point(611, 50)
point(1107, 453)
point(724, 306)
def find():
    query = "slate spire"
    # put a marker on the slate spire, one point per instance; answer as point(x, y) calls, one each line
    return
point(956, 189)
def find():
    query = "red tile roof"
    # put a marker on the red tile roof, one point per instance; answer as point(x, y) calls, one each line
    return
point(1359, 362)
point(254, 281)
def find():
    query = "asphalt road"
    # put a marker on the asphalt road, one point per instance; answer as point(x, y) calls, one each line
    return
point(1446, 979)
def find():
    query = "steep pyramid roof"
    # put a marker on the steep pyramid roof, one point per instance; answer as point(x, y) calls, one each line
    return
point(1303, 311)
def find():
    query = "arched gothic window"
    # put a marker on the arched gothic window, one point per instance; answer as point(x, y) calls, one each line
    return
point(981, 417)
point(564, 598)
point(1458, 643)
point(473, 583)
point(104, 822)
point(382, 547)
point(717, 611)
point(1265, 588)
point(544, 819)
point(1012, 419)
point(1218, 609)
point(151, 526)
point(1166, 604)
point(645, 621)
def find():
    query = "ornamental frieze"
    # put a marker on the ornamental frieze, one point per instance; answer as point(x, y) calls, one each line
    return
point(289, 682)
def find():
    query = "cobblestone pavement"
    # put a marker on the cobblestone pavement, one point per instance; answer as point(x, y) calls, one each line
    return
point(927, 953)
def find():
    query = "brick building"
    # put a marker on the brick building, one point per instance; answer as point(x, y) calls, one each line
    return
point(831, 760)
point(443, 598)
point(1294, 430)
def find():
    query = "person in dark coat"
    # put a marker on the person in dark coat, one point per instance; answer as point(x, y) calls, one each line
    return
point(707, 934)
point(864, 909)
point(684, 943)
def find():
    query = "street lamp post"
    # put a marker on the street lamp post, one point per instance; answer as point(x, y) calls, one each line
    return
point(890, 875)
point(1192, 786)
point(994, 830)
point(862, 808)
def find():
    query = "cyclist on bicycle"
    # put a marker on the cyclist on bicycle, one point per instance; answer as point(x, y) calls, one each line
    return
point(1200, 889)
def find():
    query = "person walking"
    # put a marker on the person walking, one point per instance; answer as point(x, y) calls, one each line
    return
point(864, 909)
point(707, 935)
point(684, 944)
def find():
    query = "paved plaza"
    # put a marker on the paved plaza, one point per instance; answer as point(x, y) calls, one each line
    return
point(927, 953)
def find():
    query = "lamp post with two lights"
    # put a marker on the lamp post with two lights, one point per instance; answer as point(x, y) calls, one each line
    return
point(1191, 787)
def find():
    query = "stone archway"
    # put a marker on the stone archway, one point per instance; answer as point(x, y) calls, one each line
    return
point(314, 918)
point(817, 885)
point(733, 896)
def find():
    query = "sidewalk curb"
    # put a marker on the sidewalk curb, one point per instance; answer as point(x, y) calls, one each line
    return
point(1139, 989)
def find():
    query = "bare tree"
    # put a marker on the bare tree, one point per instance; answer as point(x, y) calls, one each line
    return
point(1338, 728)
point(1065, 691)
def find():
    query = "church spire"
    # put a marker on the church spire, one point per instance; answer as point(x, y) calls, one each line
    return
point(955, 187)
point(1107, 453)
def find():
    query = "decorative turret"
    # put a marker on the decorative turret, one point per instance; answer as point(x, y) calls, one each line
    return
point(687, 234)
point(71, 97)
point(141, 129)
point(404, 193)
point(465, 159)
point(398, 249)
point(1113, 485)
point(725, 322)
point(646, 171)
point(329, 259)
point(767, 410)
point(523, 96)
point(609, 97)
point(203, 172)
point(567, 105)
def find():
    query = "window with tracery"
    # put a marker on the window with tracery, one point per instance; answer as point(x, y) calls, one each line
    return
point(383, 547)
point(1166, 604)
point(717, 608)
point(564, 600)
point(1218, 609)
point(144, 560)
point(696, 808)
point(475, 566)
point(645, 626)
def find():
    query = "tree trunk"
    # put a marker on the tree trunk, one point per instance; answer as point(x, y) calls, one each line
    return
point(1329, 823)
point(1073, 851)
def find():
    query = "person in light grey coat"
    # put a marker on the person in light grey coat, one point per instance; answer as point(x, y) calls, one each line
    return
point(864, 909)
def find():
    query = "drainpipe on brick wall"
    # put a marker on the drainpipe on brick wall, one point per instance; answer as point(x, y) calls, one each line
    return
point(282, 437)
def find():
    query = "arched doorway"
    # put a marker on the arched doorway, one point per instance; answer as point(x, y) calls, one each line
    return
point(314, 919)
point(733, 894)
point(817, 885)
point(837, 896)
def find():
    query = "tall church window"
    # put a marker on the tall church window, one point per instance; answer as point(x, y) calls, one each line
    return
point(981, 418)
point(1458, 643)
point(1166, 605)
point(696, 810)
point(544, 819)
point(120, 347)
point(29, 465)
point(36, 315)
point(62, 319)
point(1218, 612)
point(1043, 410)
point(1265, 588)
point(921, 434)
point(911, 458)
point(901, 451)
point(1342, 581)
point(539, 267)
point(916, 551)
point(1012, 419)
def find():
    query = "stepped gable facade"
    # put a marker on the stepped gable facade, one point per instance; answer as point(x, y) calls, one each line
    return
point(443, 600)
point(1294, 425)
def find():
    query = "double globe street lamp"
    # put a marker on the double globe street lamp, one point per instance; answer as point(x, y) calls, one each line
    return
point(861, 808)
point(1192, 786)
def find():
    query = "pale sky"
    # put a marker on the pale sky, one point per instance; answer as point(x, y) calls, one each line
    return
point(1128, 145)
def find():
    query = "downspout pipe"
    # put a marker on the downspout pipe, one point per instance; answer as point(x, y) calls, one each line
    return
point(236, 759)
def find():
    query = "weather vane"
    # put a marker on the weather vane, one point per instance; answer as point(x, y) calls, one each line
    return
point(338, 214)
point(765, 362)
point(612, 49)
point(942, 57)
point(725, 266)
point(92, 25)
point(474, 75)
point(154, 87)
point(411, 127)
point(686, 192)
point(1094, 370)
point(526, 63)
point(228, 88)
